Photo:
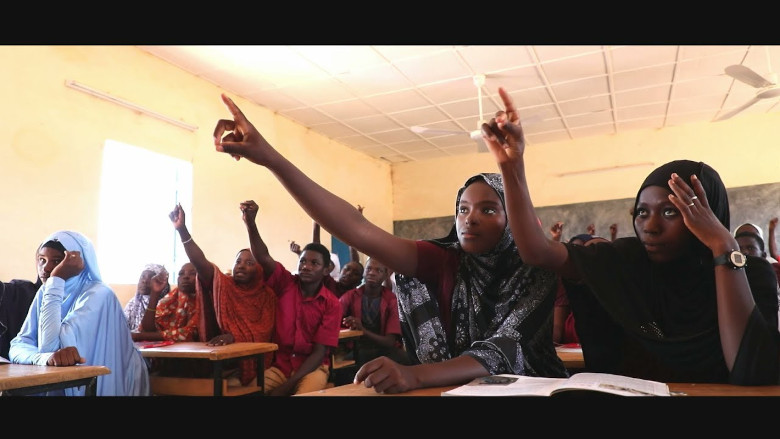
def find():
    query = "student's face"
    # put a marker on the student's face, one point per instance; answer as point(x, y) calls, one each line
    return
point(186, 280)
point(376, 272)
point(351, 275)
point(245, 268)
point(311, 267)
point(145, 282)
point(481, 219)
point(48, 258)
point(659, 225)
point(749, 246)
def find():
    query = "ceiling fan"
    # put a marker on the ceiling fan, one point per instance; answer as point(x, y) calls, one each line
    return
point(476, 135)
point(767, 86)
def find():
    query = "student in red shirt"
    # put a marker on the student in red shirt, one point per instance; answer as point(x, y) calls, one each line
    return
point(308, 316)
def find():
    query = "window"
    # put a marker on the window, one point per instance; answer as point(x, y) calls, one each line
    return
point(138, 188)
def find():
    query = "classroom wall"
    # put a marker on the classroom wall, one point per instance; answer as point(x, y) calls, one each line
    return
point(744, 150)
point(51, 160)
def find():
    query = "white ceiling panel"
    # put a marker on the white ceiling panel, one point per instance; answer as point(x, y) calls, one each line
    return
point(368, 97)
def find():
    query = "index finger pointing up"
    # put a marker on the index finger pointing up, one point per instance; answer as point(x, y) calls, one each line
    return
point(508, 105)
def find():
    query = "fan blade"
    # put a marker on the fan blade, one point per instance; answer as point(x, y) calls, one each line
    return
point(739, 109)
point(424, 130)
point(748, 76)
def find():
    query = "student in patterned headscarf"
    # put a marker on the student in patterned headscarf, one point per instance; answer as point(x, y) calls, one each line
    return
point(153, 281)
point(469, 306)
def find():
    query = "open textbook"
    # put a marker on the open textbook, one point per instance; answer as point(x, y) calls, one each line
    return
point(518, 385)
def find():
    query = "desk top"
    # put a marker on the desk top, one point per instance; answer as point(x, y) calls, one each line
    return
point(349, 333)
point(689, 389)
point(15, 376)
point(196, 349)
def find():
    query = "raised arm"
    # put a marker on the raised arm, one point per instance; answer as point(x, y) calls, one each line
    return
point(239, 138)
point(259, 250)
point(506, 141)
point(203, 267)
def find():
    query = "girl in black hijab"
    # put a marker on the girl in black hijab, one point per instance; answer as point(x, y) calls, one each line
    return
point(656, 306)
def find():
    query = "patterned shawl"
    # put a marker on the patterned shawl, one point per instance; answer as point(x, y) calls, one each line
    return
point(501, 308)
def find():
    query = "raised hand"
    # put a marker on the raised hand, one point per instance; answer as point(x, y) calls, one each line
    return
point(177, 217)
point(239, 138)
point(556, 230)
point(503, 135)
point(591, 229)
point(295, 248)
point(249, 211)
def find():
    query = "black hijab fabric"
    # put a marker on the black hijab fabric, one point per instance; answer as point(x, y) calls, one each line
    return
point(15, 300)
point(659, 321)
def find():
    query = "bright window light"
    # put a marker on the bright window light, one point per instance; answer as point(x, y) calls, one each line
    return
point(138, 188)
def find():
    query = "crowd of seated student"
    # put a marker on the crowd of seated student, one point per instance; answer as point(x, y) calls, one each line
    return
point(479, 301)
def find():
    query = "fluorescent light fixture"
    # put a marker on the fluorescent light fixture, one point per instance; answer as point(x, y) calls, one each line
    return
point(107, 97)
point(606, 168)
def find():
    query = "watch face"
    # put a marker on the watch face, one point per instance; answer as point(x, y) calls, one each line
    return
point(737, 259)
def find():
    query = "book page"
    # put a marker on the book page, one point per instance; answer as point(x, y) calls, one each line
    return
point(514, 385)
point(615, 384)
point(518, 385)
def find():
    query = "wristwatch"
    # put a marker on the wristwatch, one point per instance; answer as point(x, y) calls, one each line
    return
point(733, 259)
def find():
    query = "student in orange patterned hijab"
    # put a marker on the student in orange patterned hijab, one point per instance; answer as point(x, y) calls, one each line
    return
point(233, 308)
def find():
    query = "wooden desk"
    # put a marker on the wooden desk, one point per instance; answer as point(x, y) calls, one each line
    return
point(689, 389)
point(26, 379)
point(218, 355)
point(345, 335)
point(571, 357)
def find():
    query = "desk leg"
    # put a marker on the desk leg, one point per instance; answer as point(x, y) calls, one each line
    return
point(217, 378)
point(91, 388)
point(261, 373)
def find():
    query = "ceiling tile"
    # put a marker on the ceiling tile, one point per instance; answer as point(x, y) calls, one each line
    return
point(375, 80)
point(626, 58)
point(437, 67)
point(397, 101)
point(577, 68)
point(641, 78)
point(372, 124)
point(581, 88)
point(351, 109)
point(307, 117)
point(339, 60)
point(319, 92)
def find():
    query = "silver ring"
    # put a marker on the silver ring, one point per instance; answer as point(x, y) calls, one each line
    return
point(694, 198)
point(690, 204)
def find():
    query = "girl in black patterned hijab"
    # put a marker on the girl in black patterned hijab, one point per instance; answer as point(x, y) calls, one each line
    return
point(481, 302)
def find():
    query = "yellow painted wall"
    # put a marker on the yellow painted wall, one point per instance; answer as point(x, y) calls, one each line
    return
point(745, 151)
point(53, 138)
